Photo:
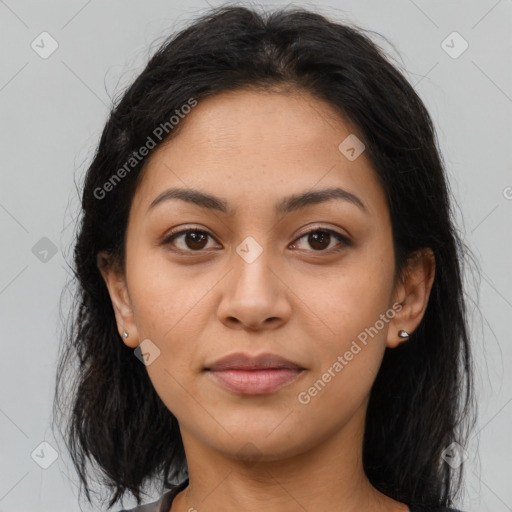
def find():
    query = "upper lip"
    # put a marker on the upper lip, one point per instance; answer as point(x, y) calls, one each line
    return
point(241, 361)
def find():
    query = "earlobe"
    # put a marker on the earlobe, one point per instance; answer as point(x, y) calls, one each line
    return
point(413, 294)
point(115, 281)
point(396, 337)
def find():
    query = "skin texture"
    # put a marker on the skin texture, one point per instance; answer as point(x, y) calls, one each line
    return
point(299, 299)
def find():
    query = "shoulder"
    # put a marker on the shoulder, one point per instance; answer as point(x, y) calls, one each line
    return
point(425, 508)
point(163, 504)
point(154, 506)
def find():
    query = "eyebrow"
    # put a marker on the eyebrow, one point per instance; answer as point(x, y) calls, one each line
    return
point(287, 205)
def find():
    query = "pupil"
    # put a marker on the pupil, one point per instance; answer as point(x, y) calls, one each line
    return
point(195, 240)
point(323, 236)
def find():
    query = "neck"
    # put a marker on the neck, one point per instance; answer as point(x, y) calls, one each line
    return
point(329, 476)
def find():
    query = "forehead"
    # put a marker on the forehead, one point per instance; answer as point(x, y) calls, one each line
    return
point(253, 145)
point(242, 119)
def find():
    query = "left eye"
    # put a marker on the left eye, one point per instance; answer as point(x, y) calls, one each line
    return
point(194, 240)
point(320, 239)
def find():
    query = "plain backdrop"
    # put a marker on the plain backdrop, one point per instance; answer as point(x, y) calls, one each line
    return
point(53, 108)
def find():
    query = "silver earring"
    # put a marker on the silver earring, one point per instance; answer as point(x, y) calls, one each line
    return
point(403, 334)
point(125, 334)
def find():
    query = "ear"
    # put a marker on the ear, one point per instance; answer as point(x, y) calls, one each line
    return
point(115, 280)
point(412, 292)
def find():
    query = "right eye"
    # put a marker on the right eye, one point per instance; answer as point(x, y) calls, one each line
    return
point(192, 240)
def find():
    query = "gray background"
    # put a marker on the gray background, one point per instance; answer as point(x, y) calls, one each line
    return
point(53, 111)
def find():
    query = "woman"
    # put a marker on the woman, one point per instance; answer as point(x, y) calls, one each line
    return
point(267, 228)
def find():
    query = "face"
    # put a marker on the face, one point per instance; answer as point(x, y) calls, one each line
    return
point(309, 282)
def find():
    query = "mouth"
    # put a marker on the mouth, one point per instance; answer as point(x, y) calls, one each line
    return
point(244, 374)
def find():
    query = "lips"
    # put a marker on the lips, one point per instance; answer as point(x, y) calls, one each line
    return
point(244, 374)
point(242, 361)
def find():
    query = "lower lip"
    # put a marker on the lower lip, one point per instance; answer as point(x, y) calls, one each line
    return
point(255, 382)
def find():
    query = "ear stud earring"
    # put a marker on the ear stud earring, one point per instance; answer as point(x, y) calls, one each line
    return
point(125, 334)
point(403, 334)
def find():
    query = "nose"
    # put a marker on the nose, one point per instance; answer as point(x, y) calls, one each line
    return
point(255, 296)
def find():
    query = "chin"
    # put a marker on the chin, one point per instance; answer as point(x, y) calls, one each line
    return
point(258, 446)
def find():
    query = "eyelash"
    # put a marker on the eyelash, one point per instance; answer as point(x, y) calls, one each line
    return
point(343, 239)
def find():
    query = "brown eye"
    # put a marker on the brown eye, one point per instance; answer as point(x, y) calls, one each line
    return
point(320, 239)
point(192, 240)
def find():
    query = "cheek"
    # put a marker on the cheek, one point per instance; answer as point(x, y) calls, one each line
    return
point(349, 353)
point(355, 318)
point(167, 311)
point(164, 296)
point(356, 296)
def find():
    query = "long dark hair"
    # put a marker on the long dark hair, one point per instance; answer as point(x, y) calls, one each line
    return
point(423, 395)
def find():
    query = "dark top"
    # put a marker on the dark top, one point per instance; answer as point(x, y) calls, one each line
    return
point(164, 503)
